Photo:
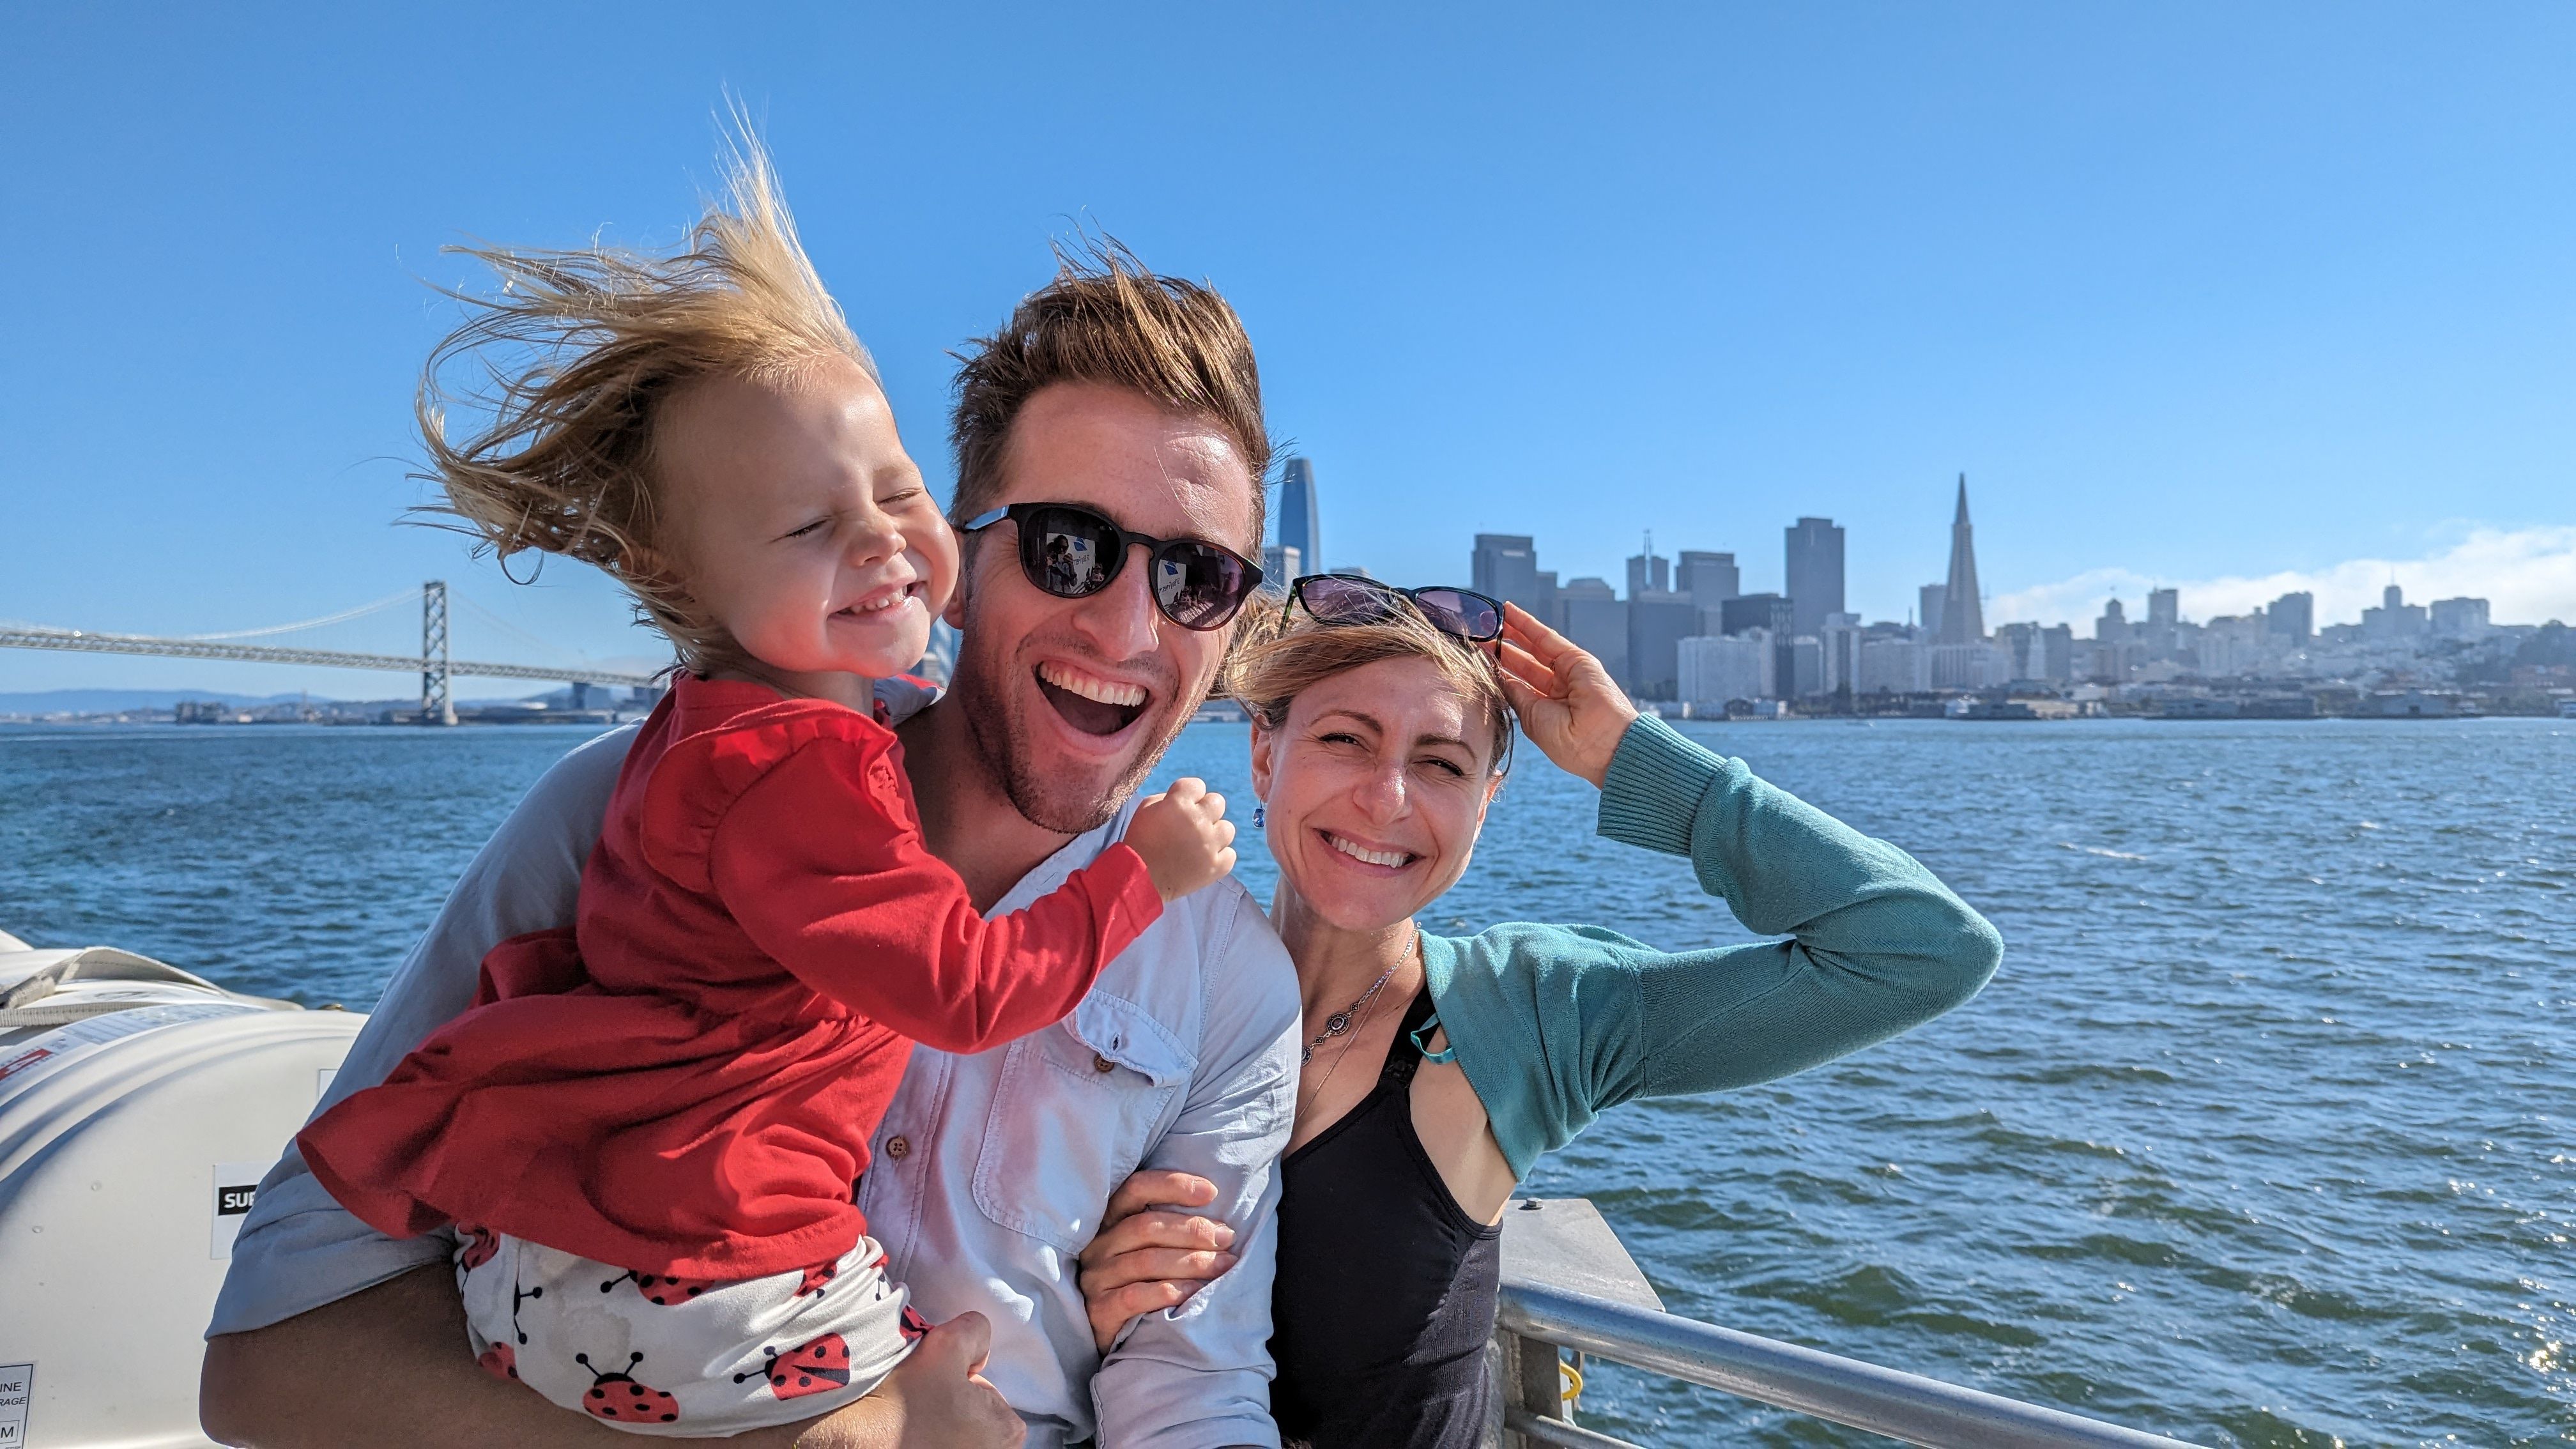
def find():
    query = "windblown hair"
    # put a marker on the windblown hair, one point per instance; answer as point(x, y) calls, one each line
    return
point(1276, 658)
point(571, 363)
point(1106, 319)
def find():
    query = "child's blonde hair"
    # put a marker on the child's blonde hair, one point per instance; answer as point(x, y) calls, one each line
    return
point(572, 360)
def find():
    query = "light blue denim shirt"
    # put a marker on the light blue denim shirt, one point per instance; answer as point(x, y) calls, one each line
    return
point(989, 1171)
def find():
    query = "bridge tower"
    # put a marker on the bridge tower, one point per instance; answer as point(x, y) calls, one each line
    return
point(435, 706)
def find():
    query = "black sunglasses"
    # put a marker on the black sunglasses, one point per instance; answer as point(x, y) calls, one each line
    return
point(1357, 599)
point(1071, 552)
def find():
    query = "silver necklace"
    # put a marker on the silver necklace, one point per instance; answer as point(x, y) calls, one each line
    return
point(1340, 1021)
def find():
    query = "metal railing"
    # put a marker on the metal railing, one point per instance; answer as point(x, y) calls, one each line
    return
point(1538, 1319)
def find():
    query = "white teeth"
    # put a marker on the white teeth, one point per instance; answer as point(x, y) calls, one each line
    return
point(1373, 857)
point(879, 606)
point(1098, 691)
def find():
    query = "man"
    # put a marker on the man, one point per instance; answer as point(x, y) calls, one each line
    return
point(1133, 397)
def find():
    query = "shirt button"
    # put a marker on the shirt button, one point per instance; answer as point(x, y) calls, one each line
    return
point(1102, 1064)
point(897, 1148)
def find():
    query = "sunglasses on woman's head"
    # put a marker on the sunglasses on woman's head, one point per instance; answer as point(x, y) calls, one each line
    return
point(1071, 552)
point(1356, 599)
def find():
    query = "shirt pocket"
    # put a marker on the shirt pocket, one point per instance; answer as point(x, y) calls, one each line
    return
point(1075, 1109)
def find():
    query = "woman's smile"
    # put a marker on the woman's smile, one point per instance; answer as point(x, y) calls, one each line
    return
point(1378, 860)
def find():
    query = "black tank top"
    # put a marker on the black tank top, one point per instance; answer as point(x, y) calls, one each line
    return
point(1386, 1288)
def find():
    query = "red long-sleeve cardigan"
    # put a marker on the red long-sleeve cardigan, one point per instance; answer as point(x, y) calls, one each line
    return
point(686, 1083)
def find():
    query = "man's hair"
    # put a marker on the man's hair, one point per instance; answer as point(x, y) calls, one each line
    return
point(1276, 658)
point(568, 367)
point(1106, 319)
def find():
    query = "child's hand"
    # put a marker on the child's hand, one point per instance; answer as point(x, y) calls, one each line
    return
point(1184, 836)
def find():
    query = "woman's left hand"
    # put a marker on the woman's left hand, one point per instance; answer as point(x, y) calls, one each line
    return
point(1569, 706)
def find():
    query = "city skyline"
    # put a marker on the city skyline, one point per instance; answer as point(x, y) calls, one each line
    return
point(2193, 295)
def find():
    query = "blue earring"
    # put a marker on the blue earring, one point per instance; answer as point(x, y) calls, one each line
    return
point(1258, 810)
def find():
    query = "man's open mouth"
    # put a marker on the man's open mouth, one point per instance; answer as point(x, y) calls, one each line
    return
point(1089, 703)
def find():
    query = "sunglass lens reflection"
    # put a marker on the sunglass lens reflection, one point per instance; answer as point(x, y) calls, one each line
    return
point(1339, 601)
point(1198, 586)
point(1071, 553)
point(1460, 613)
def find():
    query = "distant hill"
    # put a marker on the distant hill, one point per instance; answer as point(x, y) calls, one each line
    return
point(109, 701)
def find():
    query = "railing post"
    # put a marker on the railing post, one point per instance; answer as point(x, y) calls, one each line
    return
point(1542, 1382)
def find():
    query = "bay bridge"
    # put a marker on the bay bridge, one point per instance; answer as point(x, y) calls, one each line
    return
point(435, 661)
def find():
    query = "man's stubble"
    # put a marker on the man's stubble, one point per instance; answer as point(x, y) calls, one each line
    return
point(1002, 743)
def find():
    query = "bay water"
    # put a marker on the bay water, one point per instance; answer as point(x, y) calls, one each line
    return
point(2265, 1133)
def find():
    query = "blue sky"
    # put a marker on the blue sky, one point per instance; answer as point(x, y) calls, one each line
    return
point(2217, 295)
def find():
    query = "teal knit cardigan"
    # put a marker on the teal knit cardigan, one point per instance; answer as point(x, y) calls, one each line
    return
point(1555, 1024)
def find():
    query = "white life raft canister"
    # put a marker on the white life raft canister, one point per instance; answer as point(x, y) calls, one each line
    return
point(139, 1107)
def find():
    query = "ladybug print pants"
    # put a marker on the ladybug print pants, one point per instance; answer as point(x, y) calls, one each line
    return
point(685, 1358)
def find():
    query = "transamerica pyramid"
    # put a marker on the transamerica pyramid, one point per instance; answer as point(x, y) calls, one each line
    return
point(1963, 618)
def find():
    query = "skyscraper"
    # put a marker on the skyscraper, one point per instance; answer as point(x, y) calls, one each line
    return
point(2294, 616)
point(2164, 607)
point(1815, 572)
point(1300, 522)
point(1709, 578)
point(1934, 598)
point(1963, 615)
point(1649, 571)
point(1505, 567)
point(1596, 619)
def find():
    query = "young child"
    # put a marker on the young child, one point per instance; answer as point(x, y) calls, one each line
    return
point(649, 1128)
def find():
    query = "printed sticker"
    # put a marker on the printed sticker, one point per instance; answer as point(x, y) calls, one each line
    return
point(236, 1187)
point(17, 1386)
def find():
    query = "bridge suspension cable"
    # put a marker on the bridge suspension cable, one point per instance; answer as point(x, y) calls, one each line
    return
point(387, 602)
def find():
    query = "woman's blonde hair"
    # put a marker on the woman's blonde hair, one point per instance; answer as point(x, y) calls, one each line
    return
point(568, 367)
point(1276, 657)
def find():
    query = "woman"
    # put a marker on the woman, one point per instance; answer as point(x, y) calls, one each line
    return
point(1439, 1069)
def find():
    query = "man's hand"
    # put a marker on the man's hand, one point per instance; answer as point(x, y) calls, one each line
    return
point(388, 1366)
point(1149, 1255)
point(936, 1397)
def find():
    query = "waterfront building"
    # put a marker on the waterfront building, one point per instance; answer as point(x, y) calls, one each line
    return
point(1963, 615)
point(1756, 611)
point(1801, 667)
point(1814, 574)
point(1840, 640)
point(2021, 643)
point(1280, 565)
point(1709, 578)
point(1657, 624)
point(2460, 618)
point(1298, 521)
point(1893, 666)
point(1978, 665)
point(1716, 670)
point(2057, 650)
point(2294, 617)
point(1593, 615)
